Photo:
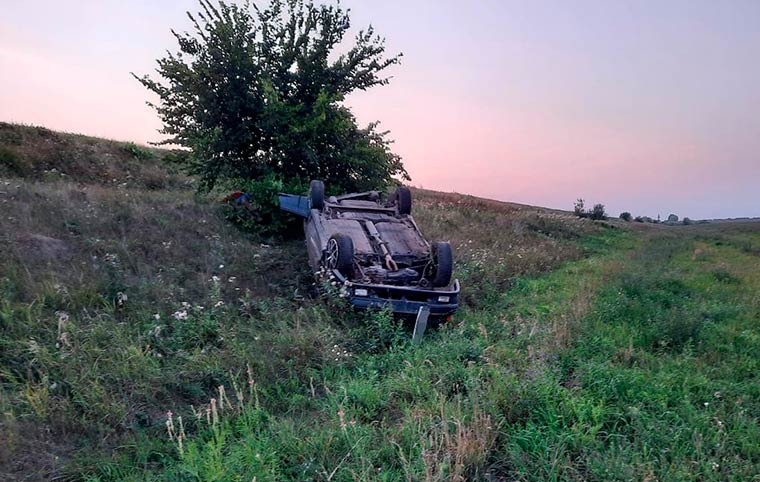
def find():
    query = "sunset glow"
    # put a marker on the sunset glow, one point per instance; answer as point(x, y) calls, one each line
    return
point(647, 107)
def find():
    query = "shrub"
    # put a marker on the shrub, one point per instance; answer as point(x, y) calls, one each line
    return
point(264, 214)
point(672, 219)
point(686, 221)
point(597, 213)
point(578, 209)
point(626, 216)
point(138, 152)
point(177, 156)
point(9, 161)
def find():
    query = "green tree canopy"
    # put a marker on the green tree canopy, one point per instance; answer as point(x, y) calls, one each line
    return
point(258, 92)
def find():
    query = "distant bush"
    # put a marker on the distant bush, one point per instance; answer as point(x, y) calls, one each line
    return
point(597, 213)
point(579, 208)
point(139, 152)
point(673, 219)
point(686, 221)
point(638, 219)
point(626, 216)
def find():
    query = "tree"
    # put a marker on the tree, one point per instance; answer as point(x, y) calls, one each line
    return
point(626, 216)
point(256, 93)
point(597, 212)
point(672, 219)
point(579, 208)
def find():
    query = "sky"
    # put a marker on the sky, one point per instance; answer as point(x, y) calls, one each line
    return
point(651, 107)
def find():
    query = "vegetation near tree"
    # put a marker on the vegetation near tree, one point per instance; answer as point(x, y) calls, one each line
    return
point(256, 93)
point(598, 213)
point(579, 208)
point(672, 218)
point(626, 216)
point(687, 221)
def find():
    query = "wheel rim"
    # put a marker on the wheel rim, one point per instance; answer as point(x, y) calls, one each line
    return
point(332, 254)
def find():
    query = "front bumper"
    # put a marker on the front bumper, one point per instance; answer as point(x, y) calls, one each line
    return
point(403, 299)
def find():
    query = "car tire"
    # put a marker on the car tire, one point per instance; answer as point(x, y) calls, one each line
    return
point(317, 194)
point(443, 260)
point(403, 198)
point(339, 255)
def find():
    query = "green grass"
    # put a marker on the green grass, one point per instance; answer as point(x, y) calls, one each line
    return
point(635, 363)
point(583, 351)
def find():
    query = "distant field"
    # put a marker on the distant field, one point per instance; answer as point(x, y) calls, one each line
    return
point(585, 351)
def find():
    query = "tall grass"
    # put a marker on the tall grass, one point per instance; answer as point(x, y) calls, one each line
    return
point(142, 338)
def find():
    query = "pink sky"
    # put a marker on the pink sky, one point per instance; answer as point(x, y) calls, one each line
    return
point(650, 107)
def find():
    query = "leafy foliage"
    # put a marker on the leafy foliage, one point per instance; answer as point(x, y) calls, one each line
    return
point(138, 152)
point(256, 92)
point(626, 216)
point(579, 208)
point(598, 212)
point(265, 216)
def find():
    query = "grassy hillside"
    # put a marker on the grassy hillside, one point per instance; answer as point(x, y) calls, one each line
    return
point(584, 351)
point(44, 155)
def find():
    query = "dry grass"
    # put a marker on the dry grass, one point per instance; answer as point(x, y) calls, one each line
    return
point(485, 232)
point(457, 447)
point(494, 242)
point(77, 236)
point(41, 154)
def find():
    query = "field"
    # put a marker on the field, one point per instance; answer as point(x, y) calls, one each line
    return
point(144, 337)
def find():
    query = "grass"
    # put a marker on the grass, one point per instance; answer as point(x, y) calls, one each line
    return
point(583, 351)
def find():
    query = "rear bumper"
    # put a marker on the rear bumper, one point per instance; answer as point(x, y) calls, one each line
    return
point(403, 307)
point(404, 299)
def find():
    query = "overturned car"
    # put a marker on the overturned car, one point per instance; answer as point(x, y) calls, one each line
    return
point(376, 250)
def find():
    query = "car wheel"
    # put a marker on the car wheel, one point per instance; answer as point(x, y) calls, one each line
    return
point(340, 255)
point(443, 261)
point(317, 194)
point(403, 198)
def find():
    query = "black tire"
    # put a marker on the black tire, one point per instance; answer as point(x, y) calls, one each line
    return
point(317, 194)
point(443, 260)
point(403, 199)
point(339, 255)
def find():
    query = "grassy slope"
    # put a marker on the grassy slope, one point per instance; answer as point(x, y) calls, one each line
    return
point(584, 352)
